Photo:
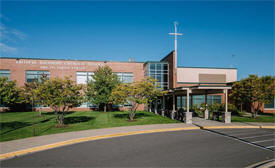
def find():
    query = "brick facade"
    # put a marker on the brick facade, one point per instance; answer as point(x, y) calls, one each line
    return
point(62, 68)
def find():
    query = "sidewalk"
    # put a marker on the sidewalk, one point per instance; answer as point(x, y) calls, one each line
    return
point(21, 144)
point(33, 144)
point(206, 124)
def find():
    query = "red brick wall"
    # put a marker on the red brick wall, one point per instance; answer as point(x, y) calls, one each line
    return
point(18, 68)
point(62, 68)
point(170, 58)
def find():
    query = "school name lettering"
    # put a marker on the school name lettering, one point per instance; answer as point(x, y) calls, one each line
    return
point(62, 65)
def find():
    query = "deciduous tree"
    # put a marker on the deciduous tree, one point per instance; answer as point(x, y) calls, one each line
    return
point(61, 95)
point(255, 91)
point(100, 88)
point(10, 94)
point(137, 93)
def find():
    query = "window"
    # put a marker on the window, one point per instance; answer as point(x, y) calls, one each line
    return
point(83, 77)
point(198, 100)
point(32, 75)
point(159, 71)
point(270, 105)
point(5, 73)
point(125, 77)
point(214, 99)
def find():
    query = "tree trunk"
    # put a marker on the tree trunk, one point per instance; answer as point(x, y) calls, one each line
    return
point(241, 107)
point(105, 107)
point(40, 111)
point(253, 111)
point(132, 115)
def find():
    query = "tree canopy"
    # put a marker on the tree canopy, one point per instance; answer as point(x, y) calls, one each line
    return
point(254, 91)
point(142, 92)
point(60, 95)
point(99, 89)
point(10, 94)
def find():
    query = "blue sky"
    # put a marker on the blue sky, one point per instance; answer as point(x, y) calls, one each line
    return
point(89, 30)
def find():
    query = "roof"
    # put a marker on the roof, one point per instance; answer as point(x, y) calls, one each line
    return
point(65, 59)
point(206, 67)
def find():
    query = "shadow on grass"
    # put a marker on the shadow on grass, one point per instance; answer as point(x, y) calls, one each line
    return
point(77, 119)
point(126, 116)
point(52, 113)
point(11, 126)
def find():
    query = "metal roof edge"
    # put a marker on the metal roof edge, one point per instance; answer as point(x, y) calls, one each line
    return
point(207, 67)
point(66, 59)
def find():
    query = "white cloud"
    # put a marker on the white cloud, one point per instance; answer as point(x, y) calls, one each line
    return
point(18, 34)
point(5, 49)
point(9, 36)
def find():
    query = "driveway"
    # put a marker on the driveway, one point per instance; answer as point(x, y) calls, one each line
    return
point(192, 148)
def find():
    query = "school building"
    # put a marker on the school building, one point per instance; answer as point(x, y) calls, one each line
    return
point(185, 85)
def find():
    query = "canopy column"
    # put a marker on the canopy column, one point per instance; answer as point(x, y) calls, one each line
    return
point(174, 106)
point(206, 112)
point(227, 115)
point(188, 114)
point(163, 106)
point(156, 107)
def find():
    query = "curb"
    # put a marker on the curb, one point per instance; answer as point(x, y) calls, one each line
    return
point(271, 127)
point(79, 140)
point(226, 127)
point(74, 141)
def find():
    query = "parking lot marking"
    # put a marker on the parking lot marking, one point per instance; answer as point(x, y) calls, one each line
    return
point(256, 136)
point(238, 139)
point(250, 133)
point(263, 140)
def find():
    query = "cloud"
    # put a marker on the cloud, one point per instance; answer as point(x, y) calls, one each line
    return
point(5, 49)
point(10, 36)
point(18, 34)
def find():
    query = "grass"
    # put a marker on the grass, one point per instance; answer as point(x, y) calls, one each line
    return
point(259, 118)
point(17, 125)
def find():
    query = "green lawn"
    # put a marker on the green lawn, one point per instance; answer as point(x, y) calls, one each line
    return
point(260, 118)
point(17, 125)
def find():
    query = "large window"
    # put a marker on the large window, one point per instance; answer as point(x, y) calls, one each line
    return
point(83, 77)
point(125, 77)
point(198, 100)
point(32, 75)
point(5, 73)
point(270, 105)
point(159, 71)
point(214, 99)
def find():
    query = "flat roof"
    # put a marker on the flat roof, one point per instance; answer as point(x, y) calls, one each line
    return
point(66, 59)
point(206, 67)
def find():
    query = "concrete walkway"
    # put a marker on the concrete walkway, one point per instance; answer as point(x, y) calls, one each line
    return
point(32, 144)
point(211, 123)
point(21, 144)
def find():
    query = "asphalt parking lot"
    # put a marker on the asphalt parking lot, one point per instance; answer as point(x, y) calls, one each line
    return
point(264, 138)
point(193, 148)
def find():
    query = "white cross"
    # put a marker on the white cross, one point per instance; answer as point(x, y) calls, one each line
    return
point(176, 34)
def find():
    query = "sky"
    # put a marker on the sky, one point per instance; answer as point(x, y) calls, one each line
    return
point(213, 31)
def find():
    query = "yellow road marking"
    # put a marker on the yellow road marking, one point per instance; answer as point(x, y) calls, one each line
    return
point(271, 127)
point(221, 127)
point(73, 141)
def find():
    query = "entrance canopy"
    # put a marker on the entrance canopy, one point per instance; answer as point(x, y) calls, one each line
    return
point(197, 90)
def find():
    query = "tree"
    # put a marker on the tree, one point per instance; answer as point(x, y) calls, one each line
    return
point(137, 93)
point(10, 94)
point(61, 95)
point(33, 92)
point(238, 94)
point(255, 91)
point(100, 88)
